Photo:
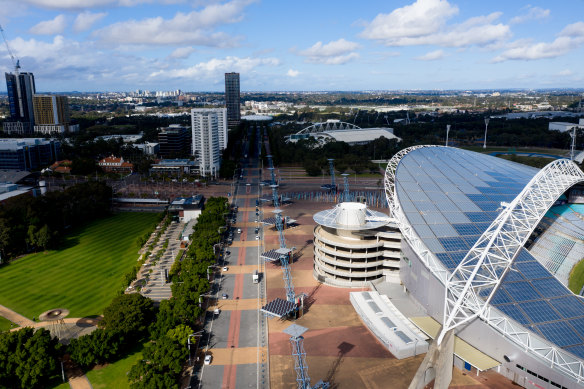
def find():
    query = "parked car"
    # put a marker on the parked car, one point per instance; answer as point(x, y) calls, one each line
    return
point(225, 268)
point(224, 296)
point(208, 359)
point(216, 311)
point(257, 237)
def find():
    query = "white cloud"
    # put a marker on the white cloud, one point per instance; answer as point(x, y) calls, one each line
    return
point(85, 20)
point(424, 23)
point(431, 56)
point(50, 27)
point(182, 52)
point(565, 73)
point(570, 38)
point(216, 67)
point(69, 4)
point(333, 53)
point(195, 27)
point(292, 73)
point(533, 13)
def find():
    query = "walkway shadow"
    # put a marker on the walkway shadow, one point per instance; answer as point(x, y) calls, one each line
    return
point(344, 348)
point(88, 321)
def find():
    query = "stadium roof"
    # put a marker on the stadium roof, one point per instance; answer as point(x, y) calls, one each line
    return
point(359, 136)
point(450, 197)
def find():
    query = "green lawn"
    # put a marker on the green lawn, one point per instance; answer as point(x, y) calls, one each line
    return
point(114, 375)
point(5, 325)
point(576, 280)
point(83, 276)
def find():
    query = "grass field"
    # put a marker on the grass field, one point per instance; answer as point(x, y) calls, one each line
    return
point(576, 280)
point(5, 325)
point(83, 276)
point(114, 375)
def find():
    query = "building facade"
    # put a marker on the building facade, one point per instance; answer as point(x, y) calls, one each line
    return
point(116, 165)
point(28, 153)
point(209, 135)
point(52, 115)
point(20, 88)
point(174, 141)
point(232, 99)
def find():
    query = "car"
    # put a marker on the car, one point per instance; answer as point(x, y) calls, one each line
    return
point(257, 230)
point(224, 296)
point(239, 230)
point(208, 359)
point(228, 252)
point(225, 268)
point(216, 311)
point(257, 237)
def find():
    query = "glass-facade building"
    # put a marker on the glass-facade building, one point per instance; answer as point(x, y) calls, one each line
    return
point(28, 154)
point(232, 99)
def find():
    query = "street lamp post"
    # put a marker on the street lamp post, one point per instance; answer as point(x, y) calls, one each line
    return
point(486, 127)
point(196, 334)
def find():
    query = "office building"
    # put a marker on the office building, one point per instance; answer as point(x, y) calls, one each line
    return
point(209, 134)
point(174, 141)
point(51, 114)
point(20, 88)
point(232, 99)
point(28, 153)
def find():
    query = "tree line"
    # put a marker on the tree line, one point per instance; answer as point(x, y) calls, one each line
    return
point(34, 223)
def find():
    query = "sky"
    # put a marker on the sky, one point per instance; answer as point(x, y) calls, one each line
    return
point(300, 45)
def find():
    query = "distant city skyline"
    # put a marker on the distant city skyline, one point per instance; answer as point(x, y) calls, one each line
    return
point(124, 45)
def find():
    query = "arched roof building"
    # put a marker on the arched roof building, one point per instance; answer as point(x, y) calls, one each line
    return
point(465, 218)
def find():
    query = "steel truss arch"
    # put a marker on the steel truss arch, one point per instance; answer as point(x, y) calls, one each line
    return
point(534, 344)
point(485, 265)
point(328, 126)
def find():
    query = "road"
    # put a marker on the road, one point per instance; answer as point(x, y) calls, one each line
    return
point(237, 337)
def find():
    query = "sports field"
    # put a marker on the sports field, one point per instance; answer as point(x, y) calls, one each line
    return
point(83, 276)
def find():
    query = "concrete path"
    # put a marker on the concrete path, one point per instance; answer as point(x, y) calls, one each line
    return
point(14, 317)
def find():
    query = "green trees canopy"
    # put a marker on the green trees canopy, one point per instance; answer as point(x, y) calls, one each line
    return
point(28, 358)
point(130, 314)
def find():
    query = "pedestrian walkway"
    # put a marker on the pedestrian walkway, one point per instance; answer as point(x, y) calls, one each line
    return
point(157, 286)
point(14, 317)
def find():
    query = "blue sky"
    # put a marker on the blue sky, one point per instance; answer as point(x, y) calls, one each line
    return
point(122, 45)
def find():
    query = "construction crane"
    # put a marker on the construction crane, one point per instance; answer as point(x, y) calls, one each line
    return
point(15, 61)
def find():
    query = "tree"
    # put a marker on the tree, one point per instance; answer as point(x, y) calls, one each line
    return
point(97, 347)
point(129, 314)
point(28, 358)
point(161, 365)
point(43, 237)
point(180, 334)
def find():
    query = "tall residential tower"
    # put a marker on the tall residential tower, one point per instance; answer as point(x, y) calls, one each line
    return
point(232, 99)
point(20, 88)
point(209, 138)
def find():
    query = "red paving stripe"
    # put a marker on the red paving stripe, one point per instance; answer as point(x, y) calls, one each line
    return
point(328, 342)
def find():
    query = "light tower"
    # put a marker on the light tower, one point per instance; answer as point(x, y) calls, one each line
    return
point(486, 127)
point(447, 131)
point(345, 186)
point(332, 169)
point(297, 340)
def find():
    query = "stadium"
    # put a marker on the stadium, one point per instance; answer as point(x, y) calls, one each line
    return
point(487, 249)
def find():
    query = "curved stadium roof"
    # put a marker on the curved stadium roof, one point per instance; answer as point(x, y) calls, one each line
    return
point(450, 197)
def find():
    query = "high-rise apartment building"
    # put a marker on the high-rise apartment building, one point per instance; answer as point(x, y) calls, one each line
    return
point(51, 114)
point(209, 134)
point(232, 99)
point(20, 88)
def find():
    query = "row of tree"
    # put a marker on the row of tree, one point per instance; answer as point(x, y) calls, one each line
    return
point(32, 223)
point(132, 319)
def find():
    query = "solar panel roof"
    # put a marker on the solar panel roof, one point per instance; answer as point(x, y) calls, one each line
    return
point(450, 197)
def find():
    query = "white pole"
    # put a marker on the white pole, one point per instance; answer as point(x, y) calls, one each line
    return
point(486, 126)
point(447, 131)
point(573, 146)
